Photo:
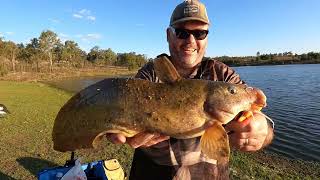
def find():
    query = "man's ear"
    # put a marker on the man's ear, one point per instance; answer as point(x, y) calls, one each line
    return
point(168, 34)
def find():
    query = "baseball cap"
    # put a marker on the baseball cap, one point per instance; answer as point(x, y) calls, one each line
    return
point(189, 10)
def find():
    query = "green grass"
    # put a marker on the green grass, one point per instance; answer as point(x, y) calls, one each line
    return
point(25, 135)
point(26, 146)
point(262, 165)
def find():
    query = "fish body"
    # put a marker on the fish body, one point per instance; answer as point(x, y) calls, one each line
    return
point(179, 108)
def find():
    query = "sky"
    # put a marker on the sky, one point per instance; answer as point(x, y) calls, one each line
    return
point(238, 27)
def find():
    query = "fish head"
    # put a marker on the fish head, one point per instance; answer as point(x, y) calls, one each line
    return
point(225, 100)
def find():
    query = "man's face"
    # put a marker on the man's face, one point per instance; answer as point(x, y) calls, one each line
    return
point(187, 53)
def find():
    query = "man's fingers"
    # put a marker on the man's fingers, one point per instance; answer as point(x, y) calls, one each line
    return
point(116, 138)
point(246, 144)
point(140, 139)
point(249, 148)
point(242, 135)
point(235, 125)
point(156, 140)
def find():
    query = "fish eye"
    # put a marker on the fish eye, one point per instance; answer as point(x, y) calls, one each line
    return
point(232, 90)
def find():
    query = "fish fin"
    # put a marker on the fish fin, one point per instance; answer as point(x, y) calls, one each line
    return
point(165, 70)
point(215, 143)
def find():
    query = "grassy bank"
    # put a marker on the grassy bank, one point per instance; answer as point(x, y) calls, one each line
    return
point(25, 135)
point(26, 146)
point(62, 73)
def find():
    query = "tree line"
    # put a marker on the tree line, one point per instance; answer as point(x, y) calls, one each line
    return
point(272, 59)
point(47, 53)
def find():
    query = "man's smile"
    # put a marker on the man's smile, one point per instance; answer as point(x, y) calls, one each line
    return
point(189, 50)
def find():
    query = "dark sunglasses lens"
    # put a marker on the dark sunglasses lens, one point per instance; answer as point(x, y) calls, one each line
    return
point(198, 34)
point(182, 34)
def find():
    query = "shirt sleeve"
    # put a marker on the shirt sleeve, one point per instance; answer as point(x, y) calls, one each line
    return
point(226, 73)
point(146, 72)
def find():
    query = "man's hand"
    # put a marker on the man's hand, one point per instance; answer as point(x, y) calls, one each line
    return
point(142, 139)
point(251, 134)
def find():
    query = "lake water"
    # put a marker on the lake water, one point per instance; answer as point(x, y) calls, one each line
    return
point(293, 103)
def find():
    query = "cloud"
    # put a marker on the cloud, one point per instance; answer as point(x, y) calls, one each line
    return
point(92, 18)
point(77, 16)
point(84, 14)
point(89, 37)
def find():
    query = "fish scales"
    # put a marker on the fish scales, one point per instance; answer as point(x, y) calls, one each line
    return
point(132, 104)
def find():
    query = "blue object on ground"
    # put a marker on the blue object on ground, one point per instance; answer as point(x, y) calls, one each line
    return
point(93, 170)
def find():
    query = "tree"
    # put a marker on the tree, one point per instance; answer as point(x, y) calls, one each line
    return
point(72, 54)
point(9, 51)
point(48, 42)
point(258, 54)
point(94, 54)
point(27, 52)
point(69, 51)
point(131, 60)
point(33, 53)
point(313, 56)
point(109, 57)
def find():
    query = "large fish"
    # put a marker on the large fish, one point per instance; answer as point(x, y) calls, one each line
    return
point(180, 108)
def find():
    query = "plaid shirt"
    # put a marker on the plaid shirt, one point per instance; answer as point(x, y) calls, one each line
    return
point(186, 152)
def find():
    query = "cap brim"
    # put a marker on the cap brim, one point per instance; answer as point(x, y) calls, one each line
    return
point(189, 19)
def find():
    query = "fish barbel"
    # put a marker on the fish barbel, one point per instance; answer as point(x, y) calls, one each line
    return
point(180, 108)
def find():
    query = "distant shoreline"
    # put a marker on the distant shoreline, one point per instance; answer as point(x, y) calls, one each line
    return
point(269, 63)
point(62, 73)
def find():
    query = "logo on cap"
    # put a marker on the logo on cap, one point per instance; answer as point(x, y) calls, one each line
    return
point(190, 9)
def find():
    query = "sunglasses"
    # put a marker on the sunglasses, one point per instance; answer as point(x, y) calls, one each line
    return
point(185, 33)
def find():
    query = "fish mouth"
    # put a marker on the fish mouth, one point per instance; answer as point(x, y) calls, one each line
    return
point(260, 102)
point(223, 116)
point(226, 113)
point(257, 107)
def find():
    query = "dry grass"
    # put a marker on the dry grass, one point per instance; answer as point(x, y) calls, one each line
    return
point(61, 73)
